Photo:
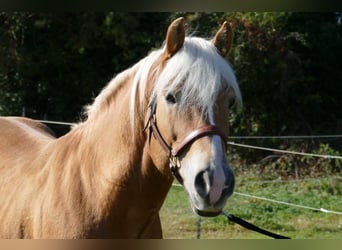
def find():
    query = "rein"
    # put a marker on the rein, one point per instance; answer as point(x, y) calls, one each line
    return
point(174, 153)
point(252, 227)
point(244, 224)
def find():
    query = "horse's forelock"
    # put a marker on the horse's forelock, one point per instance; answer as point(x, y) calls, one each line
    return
point(197, 70)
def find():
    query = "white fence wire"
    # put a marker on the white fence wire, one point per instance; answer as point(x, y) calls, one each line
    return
point(285, 137)
point(56, 122)
point(285, 151)
point(279, 202)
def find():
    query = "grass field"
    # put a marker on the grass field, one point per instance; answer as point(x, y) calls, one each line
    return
point(179, 222)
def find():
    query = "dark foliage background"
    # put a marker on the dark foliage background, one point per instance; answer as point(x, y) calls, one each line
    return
point(288, 64)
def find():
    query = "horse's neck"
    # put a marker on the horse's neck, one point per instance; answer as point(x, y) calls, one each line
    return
point(117, 172)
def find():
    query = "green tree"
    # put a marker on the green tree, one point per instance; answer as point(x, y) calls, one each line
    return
point(56, 63)
point(289, 70)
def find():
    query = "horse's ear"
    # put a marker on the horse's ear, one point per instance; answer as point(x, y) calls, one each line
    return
point(175, 37)
point(223, 39)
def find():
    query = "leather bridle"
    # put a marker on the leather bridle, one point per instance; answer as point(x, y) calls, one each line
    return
point(174, 153)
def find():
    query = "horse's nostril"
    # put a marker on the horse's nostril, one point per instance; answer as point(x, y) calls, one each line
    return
point(230, 185)
point(202, 183)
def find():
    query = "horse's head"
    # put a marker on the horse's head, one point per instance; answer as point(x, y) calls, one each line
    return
point(188, 115)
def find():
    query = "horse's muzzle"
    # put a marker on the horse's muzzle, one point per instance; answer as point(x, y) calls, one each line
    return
point(210, 199)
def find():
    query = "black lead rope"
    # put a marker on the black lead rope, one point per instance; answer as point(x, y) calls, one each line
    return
point(250, 226)
point(244, 224)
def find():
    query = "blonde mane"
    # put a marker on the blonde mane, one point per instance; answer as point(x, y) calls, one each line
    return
point(197, 70)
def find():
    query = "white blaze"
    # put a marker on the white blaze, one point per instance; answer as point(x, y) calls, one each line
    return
point(218, 177)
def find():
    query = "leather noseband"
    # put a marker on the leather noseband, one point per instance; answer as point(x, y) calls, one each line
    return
point(174, 153)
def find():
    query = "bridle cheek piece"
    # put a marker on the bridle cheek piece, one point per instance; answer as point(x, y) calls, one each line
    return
point(174, 153)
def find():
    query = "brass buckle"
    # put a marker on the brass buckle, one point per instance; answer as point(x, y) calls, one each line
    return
point(174, 167)
point(174, 163)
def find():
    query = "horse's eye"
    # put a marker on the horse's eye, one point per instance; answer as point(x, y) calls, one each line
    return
point(170, 98)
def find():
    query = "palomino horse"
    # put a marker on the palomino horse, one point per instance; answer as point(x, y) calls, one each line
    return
point(108, 177)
